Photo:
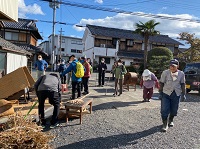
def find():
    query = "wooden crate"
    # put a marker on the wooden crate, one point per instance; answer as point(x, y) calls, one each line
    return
point(14, 82)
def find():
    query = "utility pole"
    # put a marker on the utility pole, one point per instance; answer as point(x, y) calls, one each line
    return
point(60, 40)
point(54, 4)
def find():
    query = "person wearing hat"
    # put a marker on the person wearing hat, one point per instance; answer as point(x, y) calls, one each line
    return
point(148, 81)
point(102, 67)
point(172, 89)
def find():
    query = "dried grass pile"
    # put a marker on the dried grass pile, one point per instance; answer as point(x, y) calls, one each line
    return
point(20, 133)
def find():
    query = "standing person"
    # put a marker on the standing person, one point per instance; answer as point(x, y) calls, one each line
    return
point(148, 81)
point(172, 89)
point(40, 66)
point(69, 75)
point(102, 67)
point(119, 72)
point(48, 86)
point(61, 69)
point(113, 67)
point(76, 82)
point(89, 61)
point(86, 76)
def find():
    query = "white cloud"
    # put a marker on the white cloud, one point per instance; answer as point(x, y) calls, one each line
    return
point(28, 9)
point(99, 1)
point(164, 8)
point(166, 27)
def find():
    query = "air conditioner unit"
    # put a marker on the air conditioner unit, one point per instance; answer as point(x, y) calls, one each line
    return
point(103, 45)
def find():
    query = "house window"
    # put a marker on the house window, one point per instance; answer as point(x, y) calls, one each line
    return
point(129, 42)
point(8, 35)
point(63, 40)
point(11, 36)
point(62, 49)
point(79, 51)
point(114, 41)
point(73, 50)
point(76, 42)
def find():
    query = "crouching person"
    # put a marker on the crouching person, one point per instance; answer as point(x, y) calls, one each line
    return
point(172, 89)
point(48, 86)
point(148, 81)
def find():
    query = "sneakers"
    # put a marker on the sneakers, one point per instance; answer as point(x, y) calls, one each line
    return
point(171, 124)
point(54, 125)
point(43, 126)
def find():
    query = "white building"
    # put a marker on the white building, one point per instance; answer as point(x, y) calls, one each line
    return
point(65, 48)
point(112, 43)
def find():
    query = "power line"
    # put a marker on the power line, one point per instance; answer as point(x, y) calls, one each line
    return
point(124, 12)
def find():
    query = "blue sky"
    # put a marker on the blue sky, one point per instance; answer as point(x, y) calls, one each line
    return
point(40, 10)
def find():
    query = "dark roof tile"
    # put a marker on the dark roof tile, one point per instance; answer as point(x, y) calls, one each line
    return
point(23, 24)
point(6, 45)
point(128, 34)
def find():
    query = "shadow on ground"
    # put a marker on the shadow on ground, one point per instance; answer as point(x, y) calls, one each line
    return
point(115, 105)
point(114, 141)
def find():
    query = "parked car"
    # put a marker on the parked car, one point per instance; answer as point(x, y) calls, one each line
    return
point(192, 76)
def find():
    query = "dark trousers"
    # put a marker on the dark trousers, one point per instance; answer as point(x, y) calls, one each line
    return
point(120, 86)
point(76, 86)
point(101, 78)
point(147, 93)
point(169, 105)
point(85, 81)
point(54, 99)
point(113, 76)
point(63, 79)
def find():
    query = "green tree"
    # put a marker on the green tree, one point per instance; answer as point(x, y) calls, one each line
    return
point(146, 30)
point(158, 60)
point(193, 53)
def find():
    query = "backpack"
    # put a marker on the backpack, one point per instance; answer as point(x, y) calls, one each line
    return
point(79, 70)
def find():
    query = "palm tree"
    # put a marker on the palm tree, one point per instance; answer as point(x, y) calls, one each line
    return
point(146, 29)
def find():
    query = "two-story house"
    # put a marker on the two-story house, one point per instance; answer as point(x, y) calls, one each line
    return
point(24, 34)
point(64, 47)
point(113, 43)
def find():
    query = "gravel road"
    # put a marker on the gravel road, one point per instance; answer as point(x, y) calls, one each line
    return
point(110, 127)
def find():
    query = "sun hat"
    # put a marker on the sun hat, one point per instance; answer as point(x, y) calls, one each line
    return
point(146, 73)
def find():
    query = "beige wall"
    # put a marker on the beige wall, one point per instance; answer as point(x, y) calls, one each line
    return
point(9, 10)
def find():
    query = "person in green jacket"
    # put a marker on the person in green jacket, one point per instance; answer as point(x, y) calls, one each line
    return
point(119, 72)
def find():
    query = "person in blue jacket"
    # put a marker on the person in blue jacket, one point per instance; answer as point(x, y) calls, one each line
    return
point(40, 66)
point(76, 82)
point(61, 69)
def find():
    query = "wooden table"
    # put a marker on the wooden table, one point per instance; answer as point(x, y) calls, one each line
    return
point(79, 107)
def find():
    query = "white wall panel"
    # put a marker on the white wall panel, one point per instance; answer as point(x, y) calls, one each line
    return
point(14, 61)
